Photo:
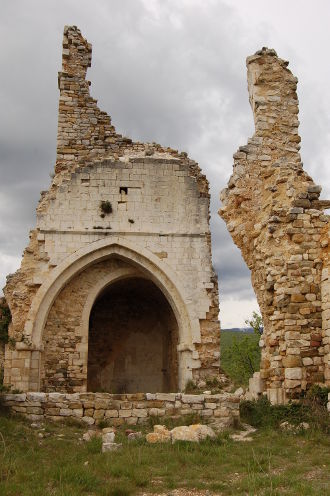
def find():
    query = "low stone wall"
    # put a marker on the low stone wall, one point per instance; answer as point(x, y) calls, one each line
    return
point(117, 409)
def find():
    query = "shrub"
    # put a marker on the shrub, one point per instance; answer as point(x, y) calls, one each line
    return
point(242, 358)
point(106, 207)
point(256, 323)
point(312, 409)
point(5, 319)
point(191, 387)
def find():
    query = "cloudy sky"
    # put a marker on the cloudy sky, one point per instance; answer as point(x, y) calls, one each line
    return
point(171, 71)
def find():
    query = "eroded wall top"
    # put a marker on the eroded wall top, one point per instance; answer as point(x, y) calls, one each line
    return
point(273, 213)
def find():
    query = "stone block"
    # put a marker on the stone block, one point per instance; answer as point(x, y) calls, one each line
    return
point(139, 412)
point(78, 412)
point(99, 414)
point(165, 396)
point(15, 397)
point(294, 373)
point(206, 413)
point(131, 420)
point(157, 412)
point(111, 413)
point(125, 413)
point(192, 398)
point(65, 412)
point(292, 361)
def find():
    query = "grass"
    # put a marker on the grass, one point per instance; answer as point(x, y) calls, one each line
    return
point(274, 463)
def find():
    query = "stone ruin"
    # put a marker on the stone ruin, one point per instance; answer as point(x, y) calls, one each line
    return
point(116, 290)
point(273, 212)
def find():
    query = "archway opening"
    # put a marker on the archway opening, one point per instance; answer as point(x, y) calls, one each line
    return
point(132, 341)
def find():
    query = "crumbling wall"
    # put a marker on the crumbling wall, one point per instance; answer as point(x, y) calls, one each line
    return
point(3, 332)
point(325, 292)
point(92, 162)
point(272, 210)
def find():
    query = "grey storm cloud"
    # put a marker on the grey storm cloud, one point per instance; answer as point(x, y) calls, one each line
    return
point(166, 71)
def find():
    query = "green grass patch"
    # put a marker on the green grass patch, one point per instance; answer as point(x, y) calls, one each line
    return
point(61, 464)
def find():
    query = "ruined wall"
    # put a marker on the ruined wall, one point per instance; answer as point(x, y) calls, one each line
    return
point(220, 410)
point(64, 363)
point(73, 354)
point(325, 293)
point(273, 213)
point(160, 203)
point(3, 324)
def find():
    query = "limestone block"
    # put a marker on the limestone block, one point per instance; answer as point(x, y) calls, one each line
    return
point(101, 404)
point(18, 409)
point(125, 413)
point(77, 412)
point(91, 434)
point(294, 373)
point(65, 412)
point(111, 447)
point(292, 361)
point(165, 396)
point(206, 413)
point(108, 437)
point(133, 420)
point(99, 414)
point(111, 413)
point(194, 433)
point(157, 412)
point(21, 397)
point(192, 398)
point(139, 412)
point(160, 435)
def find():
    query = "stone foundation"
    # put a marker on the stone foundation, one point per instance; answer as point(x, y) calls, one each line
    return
point(117, 409)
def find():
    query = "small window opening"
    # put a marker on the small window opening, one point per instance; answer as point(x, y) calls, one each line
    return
point(123, 190)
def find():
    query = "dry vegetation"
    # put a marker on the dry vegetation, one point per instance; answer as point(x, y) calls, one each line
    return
point(60, 463)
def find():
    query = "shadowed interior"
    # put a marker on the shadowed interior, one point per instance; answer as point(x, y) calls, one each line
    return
point(133, 336)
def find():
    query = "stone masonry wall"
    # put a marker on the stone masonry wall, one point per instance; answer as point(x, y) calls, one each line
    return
point(160, 202)
point(273, 213)
point(3, 305)
point(325, 292)
point(65, 359)
point(64, 364)
point(117, 409)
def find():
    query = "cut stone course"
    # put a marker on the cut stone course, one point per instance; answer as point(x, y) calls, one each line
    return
point(227, 407)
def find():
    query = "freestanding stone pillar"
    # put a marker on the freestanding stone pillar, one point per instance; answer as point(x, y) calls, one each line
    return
point(272, 210)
